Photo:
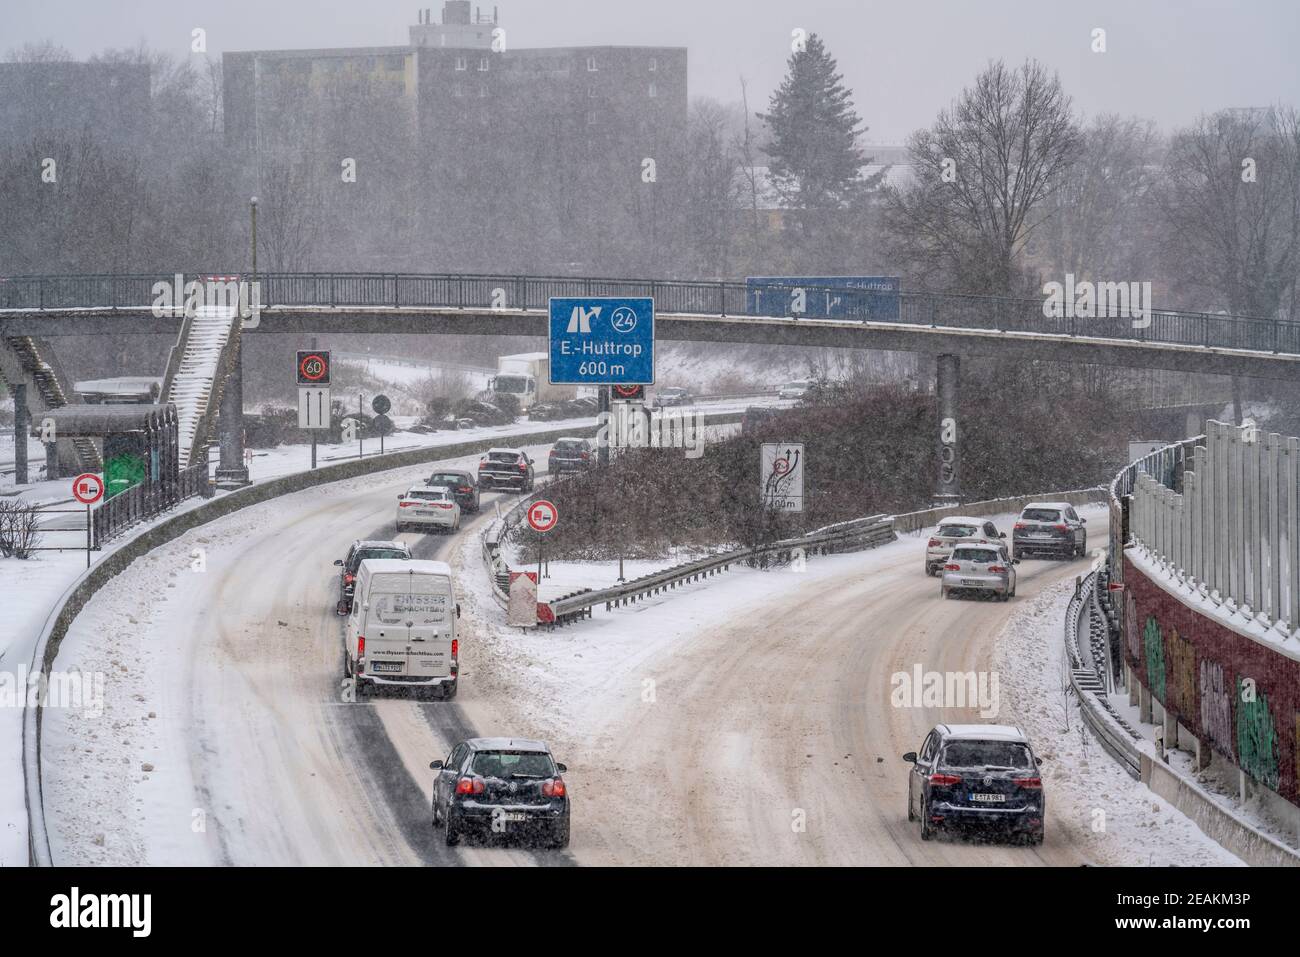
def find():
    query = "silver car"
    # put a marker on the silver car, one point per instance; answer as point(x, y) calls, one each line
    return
point(980, 568)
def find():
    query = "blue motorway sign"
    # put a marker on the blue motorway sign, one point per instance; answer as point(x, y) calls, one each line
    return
point(602, 340)
point(824, 297)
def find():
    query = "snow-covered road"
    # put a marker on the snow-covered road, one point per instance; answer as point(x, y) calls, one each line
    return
point(746, 719)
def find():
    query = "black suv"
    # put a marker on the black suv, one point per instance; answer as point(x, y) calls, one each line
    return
point(1050, 528)
point(505, 786)
point(976, 774)
point(359, 552)
point(463, 486)
point(506, 468)
point(569, 455)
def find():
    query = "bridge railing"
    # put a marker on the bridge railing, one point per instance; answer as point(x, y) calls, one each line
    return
point(708, 297)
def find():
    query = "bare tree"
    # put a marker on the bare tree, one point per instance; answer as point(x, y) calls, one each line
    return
point(289, 215)
point(713, 187)
point(984, 171)
point(1230, 205)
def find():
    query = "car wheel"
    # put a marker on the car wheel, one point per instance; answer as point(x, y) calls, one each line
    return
point(450, 830)
point(1083, 546)
point(929, 570)
point(911, 815)
point(927, 829)
point(944, 592)
point(1036, 837)
point(449, 691)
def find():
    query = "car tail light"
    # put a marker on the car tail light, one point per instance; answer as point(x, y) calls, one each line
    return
point(554, 788)
point(523, 466)
point(464, 488)
point(951, 567)
point(1036, 783)
point(1061, 528)
point(997, 568)
point(348, 579)
point(933, 542)
point(1021, 525)
point(470, 786)
point(944, 780)
point(444, 505)
point(361, 654)
point(585, 456)
point(482, 463)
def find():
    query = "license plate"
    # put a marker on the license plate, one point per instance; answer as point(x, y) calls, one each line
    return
point(1040, 535)
point(971, 581)
point(512, 816)
point(386, 666)
point(989, 798)
point(422, 511)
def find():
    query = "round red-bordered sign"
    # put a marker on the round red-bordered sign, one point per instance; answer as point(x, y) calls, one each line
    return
point(542, 516)
point(87, 488)
point(627, 391)
point(317, 364)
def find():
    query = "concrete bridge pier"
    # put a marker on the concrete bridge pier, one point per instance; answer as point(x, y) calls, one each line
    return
point(231, 470)
point(946, 383)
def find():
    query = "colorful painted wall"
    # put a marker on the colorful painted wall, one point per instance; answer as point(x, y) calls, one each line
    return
point(1238, 695)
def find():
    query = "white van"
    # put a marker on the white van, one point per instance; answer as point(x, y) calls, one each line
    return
point(402, 630)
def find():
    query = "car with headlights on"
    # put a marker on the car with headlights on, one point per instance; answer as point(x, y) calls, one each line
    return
point(358, 553)
point(982, 776)
point(958, 530)
point(507, 786)
point(979, 569)
point(425, 507)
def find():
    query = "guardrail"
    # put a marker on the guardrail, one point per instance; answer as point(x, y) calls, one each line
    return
point(722, 298)
point(1116, 737)
point(915, 521)
point(84, 588)
point(142, 502)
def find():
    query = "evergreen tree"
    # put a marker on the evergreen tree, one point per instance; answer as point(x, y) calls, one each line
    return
point(815, 161)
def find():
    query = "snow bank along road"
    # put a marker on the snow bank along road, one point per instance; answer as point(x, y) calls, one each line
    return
point(224, 740)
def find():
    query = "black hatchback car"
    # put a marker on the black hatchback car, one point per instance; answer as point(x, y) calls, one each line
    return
point(463, 485)
point(981, 775)
point(359, 552)
point(507, 786)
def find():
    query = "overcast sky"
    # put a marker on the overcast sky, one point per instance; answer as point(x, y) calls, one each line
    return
point(905, 59)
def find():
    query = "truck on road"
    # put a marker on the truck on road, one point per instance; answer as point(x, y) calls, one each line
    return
point(527, 377)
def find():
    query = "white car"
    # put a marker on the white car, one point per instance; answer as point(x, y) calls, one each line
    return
point(422, 507)
point(794, 390)
point(958, 530)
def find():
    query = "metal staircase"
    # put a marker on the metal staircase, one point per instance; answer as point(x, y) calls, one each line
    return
point(26, 359)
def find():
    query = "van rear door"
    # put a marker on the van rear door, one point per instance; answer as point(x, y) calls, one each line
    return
point(409, 626)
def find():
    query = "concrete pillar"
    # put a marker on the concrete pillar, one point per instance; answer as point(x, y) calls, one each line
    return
point(21, 422)
point(1203, 754)
point(946, 382)
point(1144, 704)
point(1171, 729)
point(52, 469)
point(1131, 684)
point(231, 470)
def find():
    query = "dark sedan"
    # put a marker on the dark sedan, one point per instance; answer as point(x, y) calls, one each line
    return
point(359, 552)
point(505, 786)
point(463, 485)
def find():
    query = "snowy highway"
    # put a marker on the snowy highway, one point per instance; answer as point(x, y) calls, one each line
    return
point(225, 739)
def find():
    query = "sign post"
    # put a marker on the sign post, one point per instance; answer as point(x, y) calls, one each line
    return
point(88, 488)
point(381, 405)
point(313, 393)
point(542, 517)
point(781, 469)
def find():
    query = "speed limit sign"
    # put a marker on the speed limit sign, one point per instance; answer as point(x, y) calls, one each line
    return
point(313, 367)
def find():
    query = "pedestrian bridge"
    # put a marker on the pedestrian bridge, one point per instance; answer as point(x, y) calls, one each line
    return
point(703, 311)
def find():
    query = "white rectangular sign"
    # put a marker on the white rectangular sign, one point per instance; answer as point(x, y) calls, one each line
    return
point(780, 477)
point(313, 408)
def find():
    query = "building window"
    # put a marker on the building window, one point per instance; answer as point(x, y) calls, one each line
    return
point(461, 63)
point(482, 91)
point(653, 91)
point(591, 92)
point(483, 64)
point(457, 89)
point(591, 64)
point(591, 117)
point(654, 64)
